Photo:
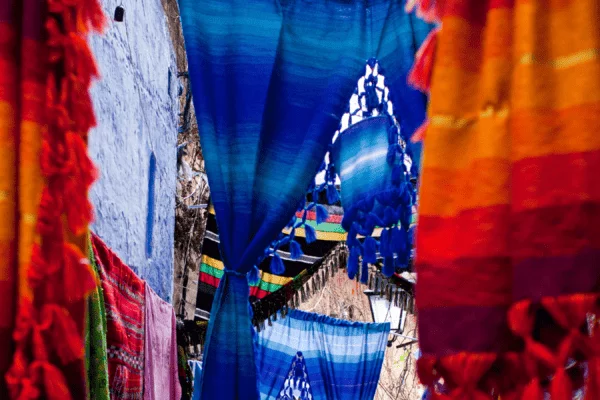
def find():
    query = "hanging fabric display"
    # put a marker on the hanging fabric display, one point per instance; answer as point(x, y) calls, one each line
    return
point(161, 380)
point(124, 296)
point(96, 355)
point(328, 234)
point(331, 358)
point(371, 160)
point(508, 238)
point(46, 70)
point(270, 82)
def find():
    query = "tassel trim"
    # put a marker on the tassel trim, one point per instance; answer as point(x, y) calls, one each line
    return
point(421, 72)
point(540, 369)
point(59, 274)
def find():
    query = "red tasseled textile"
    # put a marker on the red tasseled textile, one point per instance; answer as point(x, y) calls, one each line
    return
point(508, 244)
point(45, 115)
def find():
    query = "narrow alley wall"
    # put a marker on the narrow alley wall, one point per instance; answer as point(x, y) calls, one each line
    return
point(134, 145)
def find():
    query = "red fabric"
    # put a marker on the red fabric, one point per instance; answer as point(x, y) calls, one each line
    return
point(124, 298)
point(508, 244)
point(420, 74)
point(52, 119)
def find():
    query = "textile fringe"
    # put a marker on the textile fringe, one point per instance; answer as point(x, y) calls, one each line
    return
point(295, 293)
point(428, 10)
point(524, 375)
point(420, 74)
point(47, 336)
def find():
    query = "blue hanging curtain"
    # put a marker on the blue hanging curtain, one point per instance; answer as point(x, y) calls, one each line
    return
point(270, 81)
point(339, 359)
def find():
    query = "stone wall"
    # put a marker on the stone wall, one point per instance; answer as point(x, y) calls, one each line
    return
point(134, 145)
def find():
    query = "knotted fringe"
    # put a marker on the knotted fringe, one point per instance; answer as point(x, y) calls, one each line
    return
point(46, 335)
point(298, 291)
point(540, 369)
point(420, 74)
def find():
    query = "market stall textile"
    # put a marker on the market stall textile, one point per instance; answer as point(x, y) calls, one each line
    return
point(96, 353)
point(46, 70)
point(343, 359)
point(329, 233)
point(271, 81)
point(161, 370)
point(124, 297)
point(508, 243)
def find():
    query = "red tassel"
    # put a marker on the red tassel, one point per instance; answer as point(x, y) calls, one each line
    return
point(561, 387)
point(592, 384)
point(62, 333)
point(54, 382)
point(78, 278)
point(419, 134)
point(533, 391)
point(422, 70)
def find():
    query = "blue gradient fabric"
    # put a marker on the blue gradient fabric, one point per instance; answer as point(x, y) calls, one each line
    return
point(342, 359)
point(376, 192)
point(270, 81)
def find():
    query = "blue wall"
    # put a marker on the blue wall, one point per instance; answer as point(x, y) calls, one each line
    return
point(134, 145)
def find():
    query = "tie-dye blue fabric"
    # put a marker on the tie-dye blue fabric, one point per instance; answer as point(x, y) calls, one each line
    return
point(270, 80)
point(342, 359)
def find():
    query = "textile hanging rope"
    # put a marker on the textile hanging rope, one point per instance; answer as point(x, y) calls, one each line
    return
point(508, 242)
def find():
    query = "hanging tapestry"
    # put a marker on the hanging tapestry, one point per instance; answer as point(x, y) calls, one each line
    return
point(297, 384)
point(124, 296)
point(342, 359)
point(161, 380)
point(508, 246)
point(328, 234)
point(95, 338)
point(270, 81)
point(46, 69)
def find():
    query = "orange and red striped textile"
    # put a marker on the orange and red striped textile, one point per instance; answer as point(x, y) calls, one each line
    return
point(508, 239)
point(45, 114)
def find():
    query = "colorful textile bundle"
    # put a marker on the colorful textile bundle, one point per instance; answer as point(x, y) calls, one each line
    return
point(337, 359)
point(509, 241)
point(46, 70)
point(161, 379)
point(124, 296)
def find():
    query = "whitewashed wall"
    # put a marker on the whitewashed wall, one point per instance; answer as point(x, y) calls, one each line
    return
point(136, 107)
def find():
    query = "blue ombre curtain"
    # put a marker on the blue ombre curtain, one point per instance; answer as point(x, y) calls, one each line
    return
point(270, 80)
point(341, 359)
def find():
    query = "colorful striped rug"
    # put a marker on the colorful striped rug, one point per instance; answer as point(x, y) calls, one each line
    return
point(329, 234)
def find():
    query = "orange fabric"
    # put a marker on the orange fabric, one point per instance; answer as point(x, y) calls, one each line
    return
point(45, 114)
point(509, 209)
point(8, 194)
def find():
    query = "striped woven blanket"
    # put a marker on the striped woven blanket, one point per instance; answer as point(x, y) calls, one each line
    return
point(329, 234)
